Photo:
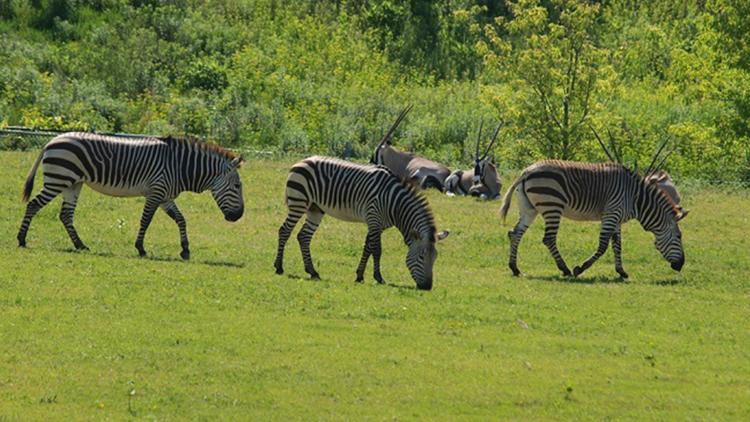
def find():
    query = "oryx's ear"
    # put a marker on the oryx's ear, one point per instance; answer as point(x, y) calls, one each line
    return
point(237, 161)
point(683, 213)
point(491, 158)
point(443, 234)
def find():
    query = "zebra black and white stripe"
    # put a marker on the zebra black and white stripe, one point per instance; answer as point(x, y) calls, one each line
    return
point(583, 191)
point(156, 168)
point(360, 193)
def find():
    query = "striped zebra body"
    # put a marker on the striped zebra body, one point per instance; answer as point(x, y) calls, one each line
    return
point(156, 168)
point(607, 192)
point(359, 193)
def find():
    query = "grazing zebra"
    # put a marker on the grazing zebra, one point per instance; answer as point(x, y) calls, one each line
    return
point(411, 168)
point(583, 191)
point(359, 193)
point(157, 168)
point(483, 180)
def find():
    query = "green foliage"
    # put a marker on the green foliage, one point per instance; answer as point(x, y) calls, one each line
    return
point(329, 76)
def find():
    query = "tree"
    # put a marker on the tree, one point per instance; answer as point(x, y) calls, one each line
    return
point(550, 55)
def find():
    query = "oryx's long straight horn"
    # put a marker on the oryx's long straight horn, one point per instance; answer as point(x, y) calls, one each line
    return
point(388, 134)
point(479, 137)
point(661, 163)
point(656, 156)
point(601, 143)
point(618, 153)
point(492, 142)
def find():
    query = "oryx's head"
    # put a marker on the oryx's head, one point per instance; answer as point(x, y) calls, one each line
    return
point(661, 179)
point(422, 255)
point(486, 182)
point(227, 190)
point(385, 141)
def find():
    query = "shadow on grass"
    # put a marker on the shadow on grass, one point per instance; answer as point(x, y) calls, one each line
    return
point(672, 282)
point(578, 280)
point(157, 258)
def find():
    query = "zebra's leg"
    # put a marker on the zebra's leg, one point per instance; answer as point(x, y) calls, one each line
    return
point(174, 213)
point(70, 198)
point(616, 247)
point(314, 216)
point(372, 247)
point(295, 213)
point(149, 210)
point(606, 233)
point(48, 193)
point(551, 225)
point(527, 214)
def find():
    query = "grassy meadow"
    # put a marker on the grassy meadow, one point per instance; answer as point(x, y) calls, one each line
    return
point(105, 335)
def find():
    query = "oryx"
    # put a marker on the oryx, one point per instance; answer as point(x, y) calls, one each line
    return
point(416, 170)
point(483, 181)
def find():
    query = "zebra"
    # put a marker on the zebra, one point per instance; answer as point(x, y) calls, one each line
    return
point(409, 167)
point(157, 168)
point(359, 193)
point(608, 192)
point(483, 181)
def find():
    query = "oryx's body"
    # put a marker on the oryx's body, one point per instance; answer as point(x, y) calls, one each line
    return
point(607, 192)
point(156, 168)
point(413, 169)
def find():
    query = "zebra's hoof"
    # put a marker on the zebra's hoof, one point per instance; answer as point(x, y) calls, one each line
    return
point(142, 253)
point(623, 275)
point(21, 244)
point(360, 279)
point(380, 280)
point(185, 254)
point(516, 271)
point(279, 270)
point(566, 272)
point(315, 276)
point(577, 271)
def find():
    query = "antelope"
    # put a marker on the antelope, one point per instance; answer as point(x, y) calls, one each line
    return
point(483, 181)
point(409, 167)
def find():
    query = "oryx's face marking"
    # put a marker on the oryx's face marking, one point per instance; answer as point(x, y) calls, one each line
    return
point(485, 183)
point(421, 257)
point(227, 191)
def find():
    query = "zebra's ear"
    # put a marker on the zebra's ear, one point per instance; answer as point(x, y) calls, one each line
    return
point(237, 161)
point(683, 214)
point(443, 234)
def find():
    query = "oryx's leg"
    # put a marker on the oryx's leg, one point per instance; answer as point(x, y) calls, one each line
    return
point(551, 226)
point(372, 247)
point(70, 198)
point(174, 213)
point(527, 213)
point(609, 225)
point(314, 215)
point(152, 203)
point(296, 209)
point(616, 239)
point(48, 193)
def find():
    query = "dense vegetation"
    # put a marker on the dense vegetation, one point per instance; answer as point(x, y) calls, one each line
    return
point(329, 76)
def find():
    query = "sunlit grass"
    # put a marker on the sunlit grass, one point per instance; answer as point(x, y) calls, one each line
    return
point(104, 334)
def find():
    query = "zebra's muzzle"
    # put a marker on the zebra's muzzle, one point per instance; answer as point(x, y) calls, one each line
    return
point(233, 215)
point(677, 265)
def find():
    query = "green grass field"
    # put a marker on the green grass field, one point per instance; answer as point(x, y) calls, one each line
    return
point(106, 335)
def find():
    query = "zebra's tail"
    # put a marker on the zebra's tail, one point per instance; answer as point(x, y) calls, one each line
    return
point(507, 198)
point(30, 178)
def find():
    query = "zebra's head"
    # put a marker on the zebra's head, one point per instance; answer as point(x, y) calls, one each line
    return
point(227, 190)
point(669, 242)
point(486, 183)
point(422, 255)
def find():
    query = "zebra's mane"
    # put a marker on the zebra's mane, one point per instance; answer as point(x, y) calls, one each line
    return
point(421, 201)
point(203, 145)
